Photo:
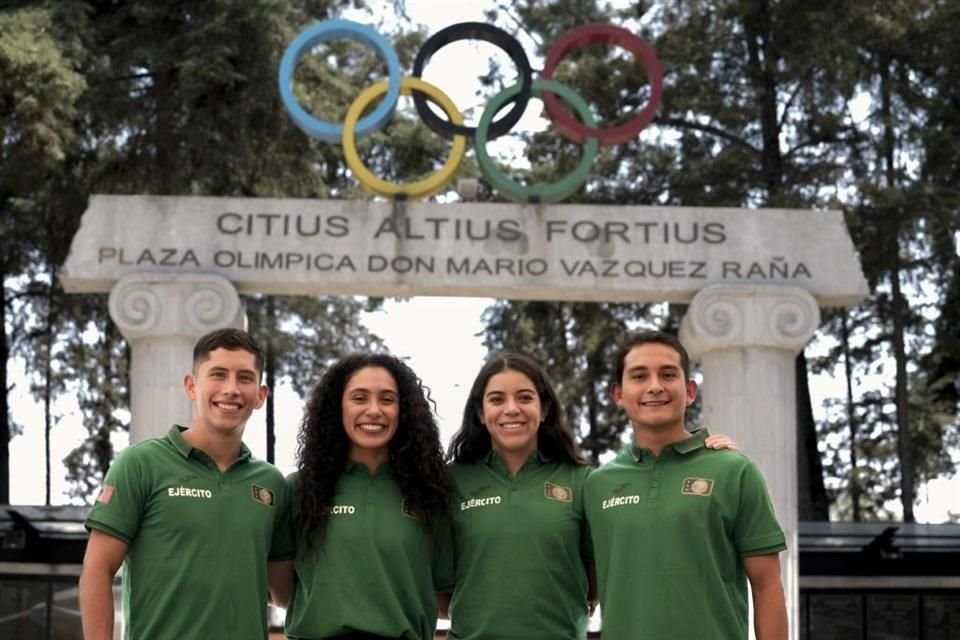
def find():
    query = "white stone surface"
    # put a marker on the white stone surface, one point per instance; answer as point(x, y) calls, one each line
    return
point(555, 252)
point(746, 339)
point(162, 315)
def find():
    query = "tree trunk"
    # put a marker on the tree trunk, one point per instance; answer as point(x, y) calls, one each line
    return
point(855, 489)
point(901, 399)
point(904, 435)
point(812, 500)
point(812, 497)
point(593, 406)
point(6, 430)
point(164, 136)
point(270, 366)
point(763, 60)
point(47, 385)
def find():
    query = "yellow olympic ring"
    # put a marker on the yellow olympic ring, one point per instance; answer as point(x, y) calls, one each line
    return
point(415, 190)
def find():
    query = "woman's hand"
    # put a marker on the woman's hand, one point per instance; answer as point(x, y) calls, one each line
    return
point(721, 441)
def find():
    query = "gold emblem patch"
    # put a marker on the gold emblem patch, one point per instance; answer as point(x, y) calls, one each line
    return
point(556, 492)
point(262, 494)
point(697, 487)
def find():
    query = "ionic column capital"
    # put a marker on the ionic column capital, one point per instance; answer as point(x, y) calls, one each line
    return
point(736, 316)
point(148, 305)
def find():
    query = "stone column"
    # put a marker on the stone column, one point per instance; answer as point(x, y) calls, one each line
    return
point(746, 339)
point(161, 316)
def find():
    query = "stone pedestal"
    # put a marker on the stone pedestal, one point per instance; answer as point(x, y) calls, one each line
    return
point(746, 339)
point(161, 316)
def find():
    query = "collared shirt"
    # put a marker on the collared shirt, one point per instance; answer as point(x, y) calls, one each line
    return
point(372, 570)
point(198, 539)
point(520, 542)
point(669, 534)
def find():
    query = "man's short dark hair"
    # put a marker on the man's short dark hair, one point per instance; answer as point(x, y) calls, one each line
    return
point(230, 339)
point(644, 337)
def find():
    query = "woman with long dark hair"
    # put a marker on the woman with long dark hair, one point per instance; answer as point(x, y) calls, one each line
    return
point(519, 534)
point(371, 505)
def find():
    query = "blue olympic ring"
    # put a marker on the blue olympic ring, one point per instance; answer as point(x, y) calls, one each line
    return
point(332, 132)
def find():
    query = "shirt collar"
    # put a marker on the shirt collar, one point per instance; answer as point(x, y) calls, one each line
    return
point(358, 468)
point(681, 447)
point(175, 436)
point(494, 460)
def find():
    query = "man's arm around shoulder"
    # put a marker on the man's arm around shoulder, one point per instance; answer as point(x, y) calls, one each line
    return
point(769, 602)
point(101, 562)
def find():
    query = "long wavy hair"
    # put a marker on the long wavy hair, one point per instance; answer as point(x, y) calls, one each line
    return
point(554, 437)
point(416, 455)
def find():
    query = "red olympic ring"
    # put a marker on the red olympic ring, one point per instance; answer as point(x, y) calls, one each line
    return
point(566, 123)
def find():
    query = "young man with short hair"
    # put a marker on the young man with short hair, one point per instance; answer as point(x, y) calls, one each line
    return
point(192, 516)
point(678, 529)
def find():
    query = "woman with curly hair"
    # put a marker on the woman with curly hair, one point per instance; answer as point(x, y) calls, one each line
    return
point(371, 503)
point(522, 563)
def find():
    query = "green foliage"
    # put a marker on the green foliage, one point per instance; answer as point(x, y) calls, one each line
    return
point(764, 105)
point(307, 334)
point(98, 370)
point(39, 88)
point(39, 91)
point(165, 98)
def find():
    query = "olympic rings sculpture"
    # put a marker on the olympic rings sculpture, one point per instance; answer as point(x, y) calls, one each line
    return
point(583, 130)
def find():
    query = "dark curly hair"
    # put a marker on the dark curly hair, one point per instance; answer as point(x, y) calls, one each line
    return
point(416, 455)
point(554, 437)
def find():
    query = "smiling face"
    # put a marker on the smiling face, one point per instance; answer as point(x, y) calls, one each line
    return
point(371, 413)
point(225, 389)
point(654, 391)
point(512, 413)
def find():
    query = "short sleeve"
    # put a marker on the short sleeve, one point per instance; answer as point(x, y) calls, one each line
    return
point(444, 561)
point(282, 542)
point(119, 507)
point(756, 530)
point(586, 540)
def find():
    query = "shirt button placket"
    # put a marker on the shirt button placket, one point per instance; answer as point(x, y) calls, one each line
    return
point(653, 492)
point(224, 517)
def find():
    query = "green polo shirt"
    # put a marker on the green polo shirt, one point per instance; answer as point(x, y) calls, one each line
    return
point(669, 532)
point(372, 572)
point(519, 544)
point(198, 539)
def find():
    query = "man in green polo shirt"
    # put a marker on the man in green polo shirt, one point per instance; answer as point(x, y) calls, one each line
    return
point(678, 529)
point(192, 516)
